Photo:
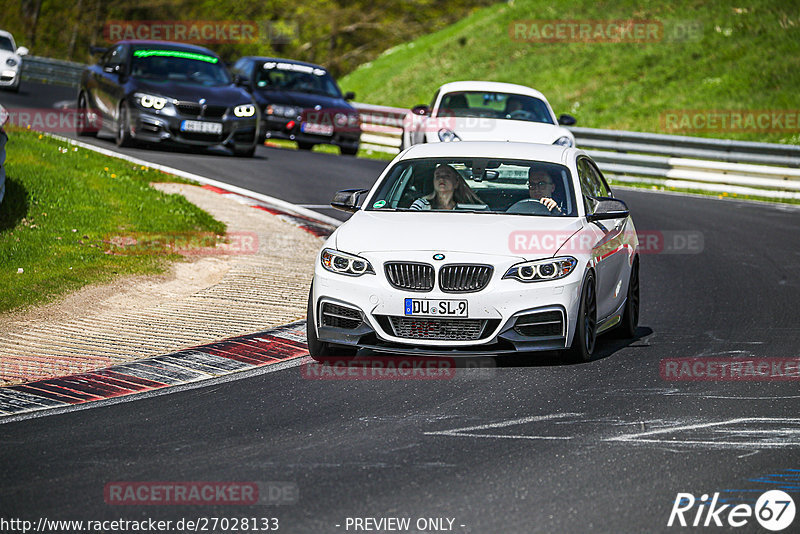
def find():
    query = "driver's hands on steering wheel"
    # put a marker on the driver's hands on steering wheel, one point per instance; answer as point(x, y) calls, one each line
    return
point(550, 204)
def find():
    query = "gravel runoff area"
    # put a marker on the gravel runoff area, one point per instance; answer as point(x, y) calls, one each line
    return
point(261, 285)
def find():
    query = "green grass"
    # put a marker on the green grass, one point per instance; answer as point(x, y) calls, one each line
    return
point(62, 210)
point(746, 56)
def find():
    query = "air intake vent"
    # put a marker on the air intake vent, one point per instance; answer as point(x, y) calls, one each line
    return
point(438, 329)
point(541, 324)
point(339, 316)
point(410, 276)
point(464, 278)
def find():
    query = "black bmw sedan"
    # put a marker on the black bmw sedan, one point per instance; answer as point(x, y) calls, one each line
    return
point(300, 102)
point(162, 92)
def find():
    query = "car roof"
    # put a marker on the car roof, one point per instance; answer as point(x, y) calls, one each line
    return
point(492, 149)
point(284, 60)
point(166, 45)
point(6, 34)
point(496, 87)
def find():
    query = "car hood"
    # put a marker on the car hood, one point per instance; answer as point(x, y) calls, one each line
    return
point(475, 233)
point(302, 100)
point(221, 95)
point(484, 129)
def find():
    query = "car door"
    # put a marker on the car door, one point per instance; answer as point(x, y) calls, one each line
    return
point(609, 254)
point(109, 85)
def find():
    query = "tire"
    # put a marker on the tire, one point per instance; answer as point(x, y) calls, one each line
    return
point(82, 128)
point(303, 145)
point(630, 317)
point(349, 151)
point(244, 152)
point(123, 136)
point(319, 350)
point(585, 338)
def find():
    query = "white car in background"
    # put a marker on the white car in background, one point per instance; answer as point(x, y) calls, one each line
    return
point(505, 269)
point(10, 61)
point(487, 111)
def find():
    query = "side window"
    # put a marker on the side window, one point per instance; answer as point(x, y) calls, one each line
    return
point(600, 186)
point(243, 68)
point(588, 182)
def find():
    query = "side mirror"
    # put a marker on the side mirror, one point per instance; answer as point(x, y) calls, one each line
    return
point(349, 95)
point(347, 199)
point(420, 109)
point(566, 120)
point(22, 51)
point(608, 208)
point(241, 81)
point(113, 69)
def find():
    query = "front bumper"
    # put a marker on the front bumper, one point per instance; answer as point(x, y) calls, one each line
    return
point(153, 127)
point(9, 77)
point(291, 129)
point(502, 308)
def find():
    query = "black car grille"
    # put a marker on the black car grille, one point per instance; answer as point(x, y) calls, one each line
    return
point(194, 109)
point(203, 137)
point(464, 278)
point(540, 324)
point(339, 316)
point(410, 276)
point(438, 329)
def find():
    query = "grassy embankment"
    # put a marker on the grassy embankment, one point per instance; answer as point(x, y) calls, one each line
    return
point(66, 211)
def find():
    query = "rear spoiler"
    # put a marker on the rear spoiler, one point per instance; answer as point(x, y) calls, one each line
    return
point(98, 50)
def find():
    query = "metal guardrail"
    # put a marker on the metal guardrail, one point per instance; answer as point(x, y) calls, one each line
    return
point(719, 165)
point(51, 71)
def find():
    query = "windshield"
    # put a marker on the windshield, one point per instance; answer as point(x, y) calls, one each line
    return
point(517, 187)
point(6, 44)
point(294, 77)
point(179, 66)
point(495, 106)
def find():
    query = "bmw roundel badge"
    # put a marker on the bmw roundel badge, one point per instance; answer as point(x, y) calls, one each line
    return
point(438, 256)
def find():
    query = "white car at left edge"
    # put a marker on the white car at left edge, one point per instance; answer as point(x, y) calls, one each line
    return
point(487, 111)
point(10, 62)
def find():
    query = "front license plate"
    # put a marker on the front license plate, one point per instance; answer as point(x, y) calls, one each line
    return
point(318, 129)
point(435, 308)
point(201, 127)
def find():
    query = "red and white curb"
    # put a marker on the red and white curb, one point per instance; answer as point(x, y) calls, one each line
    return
point(195, 364)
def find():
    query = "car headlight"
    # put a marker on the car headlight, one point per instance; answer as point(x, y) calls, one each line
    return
point(245, 110)
point(564, 141)
point(150, 101)
point(283, 111)
point(11, 62)
point(542, 270)
point(447, 136)
point(344, 263)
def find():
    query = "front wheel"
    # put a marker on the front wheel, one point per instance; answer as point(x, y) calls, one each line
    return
point(630, 317)
point(583, 342)
point(349, 150)
point(83, 127)
point(123, 137)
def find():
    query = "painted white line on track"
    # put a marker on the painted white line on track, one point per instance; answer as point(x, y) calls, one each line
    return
point(278, 203)
point(468, 431)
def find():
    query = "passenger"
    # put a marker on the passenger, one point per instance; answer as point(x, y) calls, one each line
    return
point(541, 187)
point(449, 189)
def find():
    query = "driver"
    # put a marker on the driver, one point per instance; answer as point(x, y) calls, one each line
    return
point(541, 187)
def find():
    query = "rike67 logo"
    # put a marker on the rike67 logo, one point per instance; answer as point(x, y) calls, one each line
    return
point(774, 510)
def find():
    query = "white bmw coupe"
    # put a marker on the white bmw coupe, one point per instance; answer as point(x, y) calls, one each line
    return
point(487, 111)
point(477, 248)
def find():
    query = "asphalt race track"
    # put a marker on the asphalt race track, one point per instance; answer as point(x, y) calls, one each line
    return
point(528, 445)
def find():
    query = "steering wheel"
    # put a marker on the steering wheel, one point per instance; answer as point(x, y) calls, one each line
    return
point(529, 206)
